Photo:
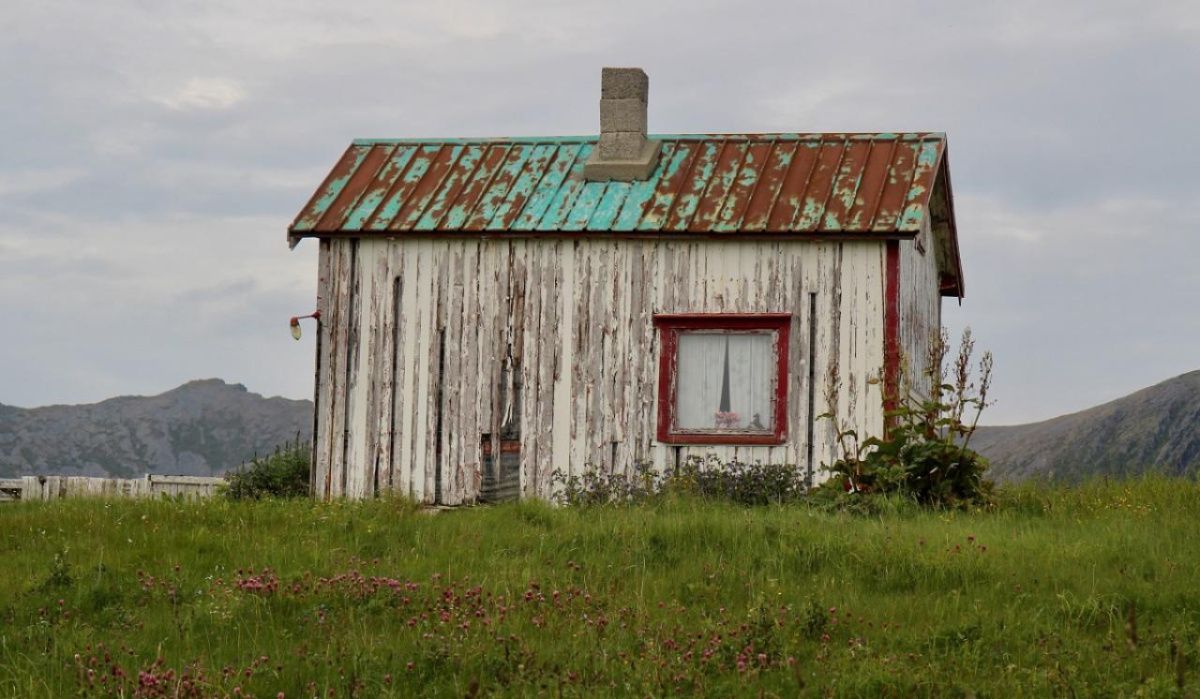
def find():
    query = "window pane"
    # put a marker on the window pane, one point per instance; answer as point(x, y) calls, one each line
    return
point(725, 381)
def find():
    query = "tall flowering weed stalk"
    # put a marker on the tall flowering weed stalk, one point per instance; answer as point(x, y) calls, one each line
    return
point(707, 477)
point(925, 454)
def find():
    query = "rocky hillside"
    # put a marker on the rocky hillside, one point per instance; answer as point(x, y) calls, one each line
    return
point(201, 428)
point(1155, 428)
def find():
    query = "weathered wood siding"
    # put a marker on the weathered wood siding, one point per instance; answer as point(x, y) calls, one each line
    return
point(423, 339)
point(920, 307)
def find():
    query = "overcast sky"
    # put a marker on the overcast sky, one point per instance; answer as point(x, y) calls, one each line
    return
point(154, 153)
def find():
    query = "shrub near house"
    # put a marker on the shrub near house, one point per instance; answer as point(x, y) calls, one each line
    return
point(284, 473)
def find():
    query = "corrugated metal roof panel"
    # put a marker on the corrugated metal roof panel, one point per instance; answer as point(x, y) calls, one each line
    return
point(873, 184)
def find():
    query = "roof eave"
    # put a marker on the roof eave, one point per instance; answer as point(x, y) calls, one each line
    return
point(956, 289)
point(295, 236)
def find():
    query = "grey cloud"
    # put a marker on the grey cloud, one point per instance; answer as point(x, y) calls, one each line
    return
point(1059, 114)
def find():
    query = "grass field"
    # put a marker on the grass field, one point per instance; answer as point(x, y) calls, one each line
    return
point(1088, 591)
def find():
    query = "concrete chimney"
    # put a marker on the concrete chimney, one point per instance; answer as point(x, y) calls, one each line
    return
point(623, 152)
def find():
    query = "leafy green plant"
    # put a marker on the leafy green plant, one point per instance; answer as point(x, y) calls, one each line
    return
point(60, 572)
point(925, 453)
point(595, 487)
point(283, 474)
point(739, 482)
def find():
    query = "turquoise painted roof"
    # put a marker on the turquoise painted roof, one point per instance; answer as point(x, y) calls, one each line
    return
point(875, 184)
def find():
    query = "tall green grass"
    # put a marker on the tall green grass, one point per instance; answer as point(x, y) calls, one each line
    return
point(1087, 591)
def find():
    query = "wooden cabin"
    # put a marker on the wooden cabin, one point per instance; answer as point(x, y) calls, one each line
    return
point(494, 310)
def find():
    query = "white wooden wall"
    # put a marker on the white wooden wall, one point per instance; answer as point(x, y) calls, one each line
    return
point(920, 307)
point(575, 315)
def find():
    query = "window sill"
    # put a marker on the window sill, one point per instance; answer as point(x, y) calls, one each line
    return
point(720, 439)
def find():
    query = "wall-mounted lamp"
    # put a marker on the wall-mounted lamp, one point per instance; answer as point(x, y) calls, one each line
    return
point(295, 322)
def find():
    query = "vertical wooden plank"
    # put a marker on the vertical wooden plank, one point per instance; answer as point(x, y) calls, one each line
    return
point(549, 251)
point(792, 284)
point(662, 296)
point(503, 351)
point(529, 338)
point(406, 349)
point(342, 357)
point(644, 350)
point(437, 478)
point(615, 382)
point(323, 438)
point(628, 443)
point(321, 428)
point(624, 379)
point(378, 369)
point(581, 346)
point(515, 350)
point(453, 378)
point(424, 365)
point(493, 322)
point(355, 466)
point(472, 377)
point(371, 296)
point(388, 275)
point(563, 423)
point(600, 403)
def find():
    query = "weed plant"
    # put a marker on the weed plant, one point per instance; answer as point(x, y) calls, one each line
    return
point(283, 474)
point(925, 452)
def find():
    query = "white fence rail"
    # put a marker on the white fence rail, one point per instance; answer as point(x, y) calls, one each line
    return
point(152, 485)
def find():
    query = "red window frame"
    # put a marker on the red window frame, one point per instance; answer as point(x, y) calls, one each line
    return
point(671, 325)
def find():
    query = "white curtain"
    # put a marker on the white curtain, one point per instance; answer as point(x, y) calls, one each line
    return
point(737, 368)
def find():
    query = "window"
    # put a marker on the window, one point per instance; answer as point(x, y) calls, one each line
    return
point(723, 378)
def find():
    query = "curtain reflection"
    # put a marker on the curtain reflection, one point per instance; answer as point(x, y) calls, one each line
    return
point(724, 381)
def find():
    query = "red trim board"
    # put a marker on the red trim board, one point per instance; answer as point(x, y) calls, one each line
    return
point(669, 326)
point(891, 329)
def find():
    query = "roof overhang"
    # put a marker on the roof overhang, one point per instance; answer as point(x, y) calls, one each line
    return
point(945, 232)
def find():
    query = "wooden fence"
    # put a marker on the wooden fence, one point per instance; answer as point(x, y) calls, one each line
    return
point(152, 485)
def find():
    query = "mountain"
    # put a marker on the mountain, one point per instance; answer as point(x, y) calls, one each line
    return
point(201, 428)
point(206, 427)
point(1156, 428)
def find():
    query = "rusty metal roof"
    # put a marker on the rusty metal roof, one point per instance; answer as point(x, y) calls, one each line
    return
point(868, 184)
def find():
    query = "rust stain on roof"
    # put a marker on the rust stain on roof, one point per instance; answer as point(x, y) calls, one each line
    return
point(799, 184)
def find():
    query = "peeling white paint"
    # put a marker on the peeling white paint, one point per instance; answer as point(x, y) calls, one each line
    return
point(576, 317)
